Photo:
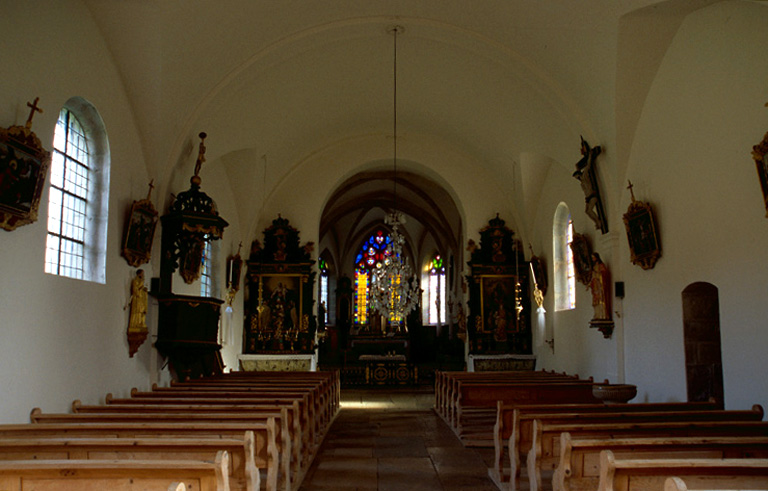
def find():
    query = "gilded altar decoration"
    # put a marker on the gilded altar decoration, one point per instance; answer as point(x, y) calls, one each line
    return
point(279, 293)
point(499, 294)
point(140, 231)
point(137, 320)
point(760, 156)
point(586, 173)
point(24, 165)
point(640, 222)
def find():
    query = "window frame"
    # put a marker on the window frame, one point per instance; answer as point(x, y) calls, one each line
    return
point(96, 204)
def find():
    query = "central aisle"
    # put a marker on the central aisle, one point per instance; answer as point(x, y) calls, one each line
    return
point(392, 440)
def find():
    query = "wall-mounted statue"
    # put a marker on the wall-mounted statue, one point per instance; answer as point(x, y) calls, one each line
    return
point(586, 173)
point(602, 302)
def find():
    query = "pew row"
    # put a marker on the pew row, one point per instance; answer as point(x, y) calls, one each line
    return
point(122, 475)
point(545, 449)
point(283, 431)
point(297, 427)
point(516, 422)
point(265, 450)
point(243, 472)
point(644, 474)
point(579, 466)
point(546, 445)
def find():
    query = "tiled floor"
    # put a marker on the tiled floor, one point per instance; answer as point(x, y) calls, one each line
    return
point(392, 440)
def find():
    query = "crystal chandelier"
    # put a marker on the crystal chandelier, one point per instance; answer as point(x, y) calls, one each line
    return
point(394, 288)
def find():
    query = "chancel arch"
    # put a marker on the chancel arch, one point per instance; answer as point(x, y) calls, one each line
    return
point(353, 230)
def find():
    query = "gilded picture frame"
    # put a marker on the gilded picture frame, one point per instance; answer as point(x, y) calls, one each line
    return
point(24, 166)
point(582, 258)
point(139, 233)
point(644, 244)
point(760, 156)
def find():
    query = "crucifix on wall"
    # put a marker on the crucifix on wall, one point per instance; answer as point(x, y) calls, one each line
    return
point(586, 173)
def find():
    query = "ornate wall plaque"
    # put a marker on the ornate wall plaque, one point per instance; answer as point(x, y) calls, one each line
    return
point(644, 245)
point(23, 167)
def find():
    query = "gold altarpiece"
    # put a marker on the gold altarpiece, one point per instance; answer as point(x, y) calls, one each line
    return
point(279, 294)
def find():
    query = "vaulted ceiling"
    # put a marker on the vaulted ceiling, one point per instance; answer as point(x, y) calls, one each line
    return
point(508, 83)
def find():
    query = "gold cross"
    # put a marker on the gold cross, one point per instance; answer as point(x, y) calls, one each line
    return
point(151, 187)
point(32, 111)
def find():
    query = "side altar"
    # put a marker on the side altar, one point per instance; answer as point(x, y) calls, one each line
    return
point(279, 330)
point(499, 321)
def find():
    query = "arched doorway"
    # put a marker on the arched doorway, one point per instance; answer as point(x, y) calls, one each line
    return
point(701, 331)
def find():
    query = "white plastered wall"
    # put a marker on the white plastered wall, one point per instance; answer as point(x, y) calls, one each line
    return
point(63, 339)
point(691, 160)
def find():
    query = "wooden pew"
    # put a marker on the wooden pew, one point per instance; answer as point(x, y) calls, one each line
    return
point(334, 377)
point(266, 454)
point(283, 433)
point(487, 394)
point(545, 450)
point(320, 396)
point(297, 426)
point(125, 475)
point(516, 422)
point(313, 439)
point(447, 383)
point(579, 466)
point(244, 474)
point(643, 474)
point(317, 413)
point(547, 438)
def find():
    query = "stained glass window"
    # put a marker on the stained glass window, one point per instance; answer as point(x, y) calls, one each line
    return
point(436, 291)
point(323, 266)
point(373, 252)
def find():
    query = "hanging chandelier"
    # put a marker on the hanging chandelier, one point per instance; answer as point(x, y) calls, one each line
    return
point(394, 288)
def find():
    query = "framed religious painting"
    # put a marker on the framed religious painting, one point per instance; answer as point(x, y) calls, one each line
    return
point(760, 156)
point(139, 233)
point(582, 258)
point(497, 305)
point(644, 245)
point(23, 168)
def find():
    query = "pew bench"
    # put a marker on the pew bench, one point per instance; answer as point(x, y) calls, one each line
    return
point(579, 466)
point(549, 436)
point(117, 475)
point(317, 413)
point(283, 434)
point(470, 394)
point(244, 474)
point(644, 474)
point(516, 422)
point(545, 447)
point(300, 428)
point(266, 452)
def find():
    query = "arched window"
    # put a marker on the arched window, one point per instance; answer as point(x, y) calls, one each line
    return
point(435, 294)
point(565, 275)
point(206, 271)
point(323, 266)
point(78, 197)
point(372, 253)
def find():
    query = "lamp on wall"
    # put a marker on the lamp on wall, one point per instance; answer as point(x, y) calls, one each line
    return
point(394, 289)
